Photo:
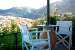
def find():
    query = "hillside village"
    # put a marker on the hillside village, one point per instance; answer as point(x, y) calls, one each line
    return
point(6, 21)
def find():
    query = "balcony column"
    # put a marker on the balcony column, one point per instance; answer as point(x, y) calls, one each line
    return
point(48, 12)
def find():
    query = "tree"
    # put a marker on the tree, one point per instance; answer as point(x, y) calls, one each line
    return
point(13, 26)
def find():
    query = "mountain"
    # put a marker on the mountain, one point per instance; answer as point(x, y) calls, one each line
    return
point(33, 16)
point(28, 9)
point(63, 6)
point(25, 12)
point(16, 11)
point(66, 6)
point(37, 13)
point(31, 13)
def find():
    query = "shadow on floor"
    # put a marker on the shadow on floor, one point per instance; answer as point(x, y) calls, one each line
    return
point(62, 47)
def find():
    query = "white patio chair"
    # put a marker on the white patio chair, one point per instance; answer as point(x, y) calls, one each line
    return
point(65, 29)
point(27, 37)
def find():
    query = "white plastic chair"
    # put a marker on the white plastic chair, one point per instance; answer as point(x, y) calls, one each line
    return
point(65, 28)
point(27, 37)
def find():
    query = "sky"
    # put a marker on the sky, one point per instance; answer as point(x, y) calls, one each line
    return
point(6, 4)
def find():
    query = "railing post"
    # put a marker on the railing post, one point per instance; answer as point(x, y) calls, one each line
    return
point(16, 40)
point(15, 34)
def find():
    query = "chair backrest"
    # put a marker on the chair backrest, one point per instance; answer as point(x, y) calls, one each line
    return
point(24, 32)
point(64, 26)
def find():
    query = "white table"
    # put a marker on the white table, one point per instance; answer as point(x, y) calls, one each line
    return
point(48, 26)
point(52, 34)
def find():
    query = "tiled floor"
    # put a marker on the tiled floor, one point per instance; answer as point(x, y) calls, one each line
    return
point(61, 47)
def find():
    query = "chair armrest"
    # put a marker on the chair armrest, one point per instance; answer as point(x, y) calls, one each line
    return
point(33, 29)
point(40, 31)
point(39, 39)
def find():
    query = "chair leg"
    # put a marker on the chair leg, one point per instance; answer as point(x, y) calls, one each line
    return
point(61, 40)
point(32, 47)
point(26, 46)
point(49, 47)
point(22, 45)
point(71, 40)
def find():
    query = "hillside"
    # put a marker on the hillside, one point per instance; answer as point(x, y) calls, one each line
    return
point(16, 11)
point(27, 12)
point(13, 12)
point(33, 16)
point(63, 6)
point(66, 6)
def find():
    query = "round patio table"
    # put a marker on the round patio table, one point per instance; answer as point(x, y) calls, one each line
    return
point(43, 35)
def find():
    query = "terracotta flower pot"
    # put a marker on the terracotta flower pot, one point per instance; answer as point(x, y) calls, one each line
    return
point(52, 37)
